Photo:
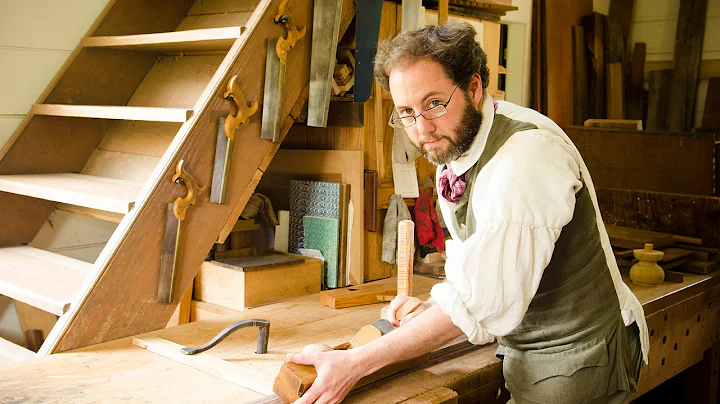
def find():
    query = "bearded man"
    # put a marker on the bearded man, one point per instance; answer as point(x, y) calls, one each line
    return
point(529, 264)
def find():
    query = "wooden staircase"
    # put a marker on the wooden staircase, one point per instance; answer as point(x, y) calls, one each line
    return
point(142, 91)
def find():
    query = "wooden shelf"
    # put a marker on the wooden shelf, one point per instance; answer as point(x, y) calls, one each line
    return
point(115, 112)
point(40, 278)
point(13, 353)
point(490, 7)
point(197, 40)
point(106, 194)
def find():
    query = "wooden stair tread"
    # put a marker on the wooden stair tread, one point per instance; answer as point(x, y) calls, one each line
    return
point(114, 112)
point(196, 40)
point(107, 194)
point(40, 278)
point(13, 353)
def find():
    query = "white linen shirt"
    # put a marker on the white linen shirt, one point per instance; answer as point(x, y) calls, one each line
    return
point(521, 200)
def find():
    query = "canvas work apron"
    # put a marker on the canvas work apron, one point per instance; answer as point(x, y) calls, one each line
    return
point(572, 345)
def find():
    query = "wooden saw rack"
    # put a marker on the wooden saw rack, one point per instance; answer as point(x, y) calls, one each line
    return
point(142, 91)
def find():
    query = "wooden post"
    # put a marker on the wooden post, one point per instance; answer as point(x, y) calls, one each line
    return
point(405, 257)
point(580, 76)
point(615, 92)
point(442, 12)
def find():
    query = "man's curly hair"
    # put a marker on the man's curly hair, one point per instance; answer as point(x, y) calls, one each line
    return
point(452, 45)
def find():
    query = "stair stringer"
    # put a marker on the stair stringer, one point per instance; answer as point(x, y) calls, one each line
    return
point(119, 300)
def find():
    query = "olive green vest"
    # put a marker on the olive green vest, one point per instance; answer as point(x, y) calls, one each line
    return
point(576, 298)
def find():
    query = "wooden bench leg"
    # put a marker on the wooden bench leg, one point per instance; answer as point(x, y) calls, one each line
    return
point(701, 380)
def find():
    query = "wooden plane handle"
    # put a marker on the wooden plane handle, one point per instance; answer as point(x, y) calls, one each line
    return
point(294, 380)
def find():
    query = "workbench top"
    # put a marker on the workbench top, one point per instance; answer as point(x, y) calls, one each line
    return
point(120, 371)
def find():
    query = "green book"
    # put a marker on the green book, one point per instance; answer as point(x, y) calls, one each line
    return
point(323, 234)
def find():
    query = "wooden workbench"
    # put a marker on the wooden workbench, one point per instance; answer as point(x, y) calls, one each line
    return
point(119, 371)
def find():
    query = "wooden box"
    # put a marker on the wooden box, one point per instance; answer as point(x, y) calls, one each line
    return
point(238, 287)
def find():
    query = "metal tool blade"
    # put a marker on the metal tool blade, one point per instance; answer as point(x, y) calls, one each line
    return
point(169, 258)
point(383, 325)
point(221, 167)
point(272, 96)
point(326, 23)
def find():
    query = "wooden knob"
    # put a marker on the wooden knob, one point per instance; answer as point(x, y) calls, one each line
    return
point(408, 307)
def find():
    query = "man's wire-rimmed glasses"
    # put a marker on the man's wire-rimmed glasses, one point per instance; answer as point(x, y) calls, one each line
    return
point(431, 113)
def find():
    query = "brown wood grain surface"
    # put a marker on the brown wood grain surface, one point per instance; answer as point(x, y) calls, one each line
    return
point(653, 161)
point(688, 52)
point(689, 215)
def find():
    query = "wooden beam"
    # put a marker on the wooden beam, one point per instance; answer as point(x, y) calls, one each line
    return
point(109, 112)
point(688, 52)
point(560, 18)
point(580, 76)
point(197, 40)
point(615, 91)
point(621, 124)
point(370, 205)
point(96, 213)
point(687, 215)
point(100, 193)
point(659, 100)
point(442, 12)
point(622, 11)
point(182, 313)
point(634, 90)
point(595, 39)
point(708, 68)
point(653, 161)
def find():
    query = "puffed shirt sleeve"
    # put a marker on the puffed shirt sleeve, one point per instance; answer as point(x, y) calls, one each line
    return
point(521, 200)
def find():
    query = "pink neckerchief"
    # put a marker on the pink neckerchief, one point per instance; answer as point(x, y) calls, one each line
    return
point(451, 186)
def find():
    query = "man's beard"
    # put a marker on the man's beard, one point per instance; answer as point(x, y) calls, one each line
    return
point(466, 132)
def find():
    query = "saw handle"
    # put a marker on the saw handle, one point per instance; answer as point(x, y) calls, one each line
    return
point(293, 33)
point(181, 205)
point(244, 110)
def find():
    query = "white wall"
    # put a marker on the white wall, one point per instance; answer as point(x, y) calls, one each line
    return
point(36, 38)
point(519, 60)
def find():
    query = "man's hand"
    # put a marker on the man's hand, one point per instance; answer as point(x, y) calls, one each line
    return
point(337, 373)
point(397, 302)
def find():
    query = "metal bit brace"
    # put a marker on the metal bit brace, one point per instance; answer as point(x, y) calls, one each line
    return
point(262, 342)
